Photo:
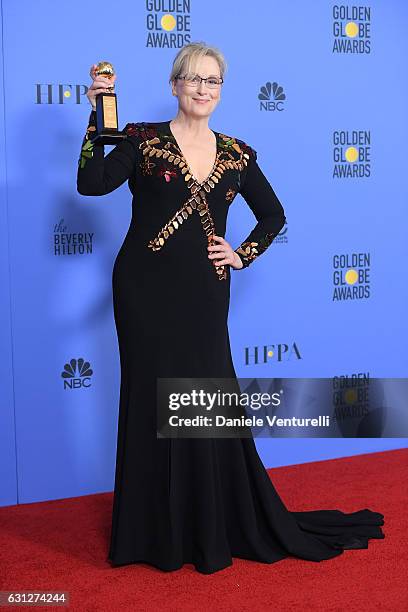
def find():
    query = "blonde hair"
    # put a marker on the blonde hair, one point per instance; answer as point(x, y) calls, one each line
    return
point(189, 55)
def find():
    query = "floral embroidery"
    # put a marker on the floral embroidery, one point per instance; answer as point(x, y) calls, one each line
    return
point(229, 143)
point(247, 149)
point(248, 251)
point(229, 196)
point(167, 173)
point(142, 130)
point(168, 149)
point(158, 144)
point(87, 147)
point(147, 166)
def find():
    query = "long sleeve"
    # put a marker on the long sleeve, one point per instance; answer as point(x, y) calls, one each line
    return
point(262, 200)
point(99, 174)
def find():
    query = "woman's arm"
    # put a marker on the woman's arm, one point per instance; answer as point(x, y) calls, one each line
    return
point(97, 174)
point(262, 200)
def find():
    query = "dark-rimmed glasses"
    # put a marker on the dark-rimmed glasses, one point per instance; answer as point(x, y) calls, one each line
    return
point(193, 80)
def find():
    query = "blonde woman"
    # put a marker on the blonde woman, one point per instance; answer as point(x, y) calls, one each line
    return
point(188, 500)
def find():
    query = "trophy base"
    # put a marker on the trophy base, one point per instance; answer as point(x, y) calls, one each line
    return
point(104, 138)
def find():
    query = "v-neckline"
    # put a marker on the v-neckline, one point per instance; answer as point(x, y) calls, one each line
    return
point(185, 160)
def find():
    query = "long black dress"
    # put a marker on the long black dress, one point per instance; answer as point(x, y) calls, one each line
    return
point(199, 501)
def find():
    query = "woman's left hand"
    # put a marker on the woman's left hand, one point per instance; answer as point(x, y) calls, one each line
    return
point(222, 253)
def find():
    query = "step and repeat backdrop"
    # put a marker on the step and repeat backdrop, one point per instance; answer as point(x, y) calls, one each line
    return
point(319, 89)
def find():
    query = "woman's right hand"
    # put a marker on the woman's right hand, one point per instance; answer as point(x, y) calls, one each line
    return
point(99, 85)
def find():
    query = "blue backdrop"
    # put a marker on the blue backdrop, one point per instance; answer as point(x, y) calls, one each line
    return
point(325, 83)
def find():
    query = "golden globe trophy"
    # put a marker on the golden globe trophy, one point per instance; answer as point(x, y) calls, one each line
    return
point(107, 131)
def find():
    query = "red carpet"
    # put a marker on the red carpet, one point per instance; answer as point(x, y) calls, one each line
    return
point(61, 546)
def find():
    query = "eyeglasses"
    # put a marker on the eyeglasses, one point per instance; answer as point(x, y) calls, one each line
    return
point(193, 80)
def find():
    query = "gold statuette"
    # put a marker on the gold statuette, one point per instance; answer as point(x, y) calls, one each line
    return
point(107, 131)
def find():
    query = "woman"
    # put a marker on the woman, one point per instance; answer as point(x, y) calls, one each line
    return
point(185, 500)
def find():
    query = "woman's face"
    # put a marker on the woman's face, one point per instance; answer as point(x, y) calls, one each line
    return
point(199, 101)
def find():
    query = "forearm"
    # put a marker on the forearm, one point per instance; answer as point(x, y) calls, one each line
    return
point(97, 174)
point(261, 237)
point(268, 211)
point(90, 163)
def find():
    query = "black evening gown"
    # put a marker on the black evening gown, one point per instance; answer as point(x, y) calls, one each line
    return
point(199, 501)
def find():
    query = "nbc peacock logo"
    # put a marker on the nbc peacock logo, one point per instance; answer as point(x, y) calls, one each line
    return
point(272, 97)
point(77, 374)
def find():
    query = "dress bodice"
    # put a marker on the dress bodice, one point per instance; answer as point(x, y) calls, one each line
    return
point(166, 193)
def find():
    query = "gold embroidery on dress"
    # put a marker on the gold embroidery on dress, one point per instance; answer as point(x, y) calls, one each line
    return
point(147, 166)
point(224, 160)
point(250, 250)
point(174, 223)
point(229, 196)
